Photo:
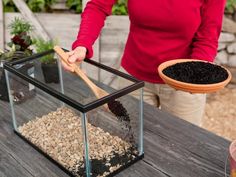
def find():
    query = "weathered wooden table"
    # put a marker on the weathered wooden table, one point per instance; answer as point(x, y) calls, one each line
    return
point(173, 147)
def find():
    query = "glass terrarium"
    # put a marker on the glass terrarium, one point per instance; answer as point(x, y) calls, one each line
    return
point(83, 134)
point(19, 94)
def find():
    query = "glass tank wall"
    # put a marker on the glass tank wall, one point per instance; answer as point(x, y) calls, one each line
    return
point(84, 134)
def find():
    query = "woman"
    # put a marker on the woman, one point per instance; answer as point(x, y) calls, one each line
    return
point(160, 30)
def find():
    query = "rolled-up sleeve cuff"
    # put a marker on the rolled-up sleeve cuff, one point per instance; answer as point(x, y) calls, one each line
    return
point(89, 48)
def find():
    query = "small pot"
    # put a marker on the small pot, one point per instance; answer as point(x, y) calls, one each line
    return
point(21, 90)
point(50, 72)
point(232, 155)
point(3, 84)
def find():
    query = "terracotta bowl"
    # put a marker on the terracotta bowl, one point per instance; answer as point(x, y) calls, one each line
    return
point(188, 87)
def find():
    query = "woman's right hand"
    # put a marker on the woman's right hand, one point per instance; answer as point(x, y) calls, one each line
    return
point(76, 55)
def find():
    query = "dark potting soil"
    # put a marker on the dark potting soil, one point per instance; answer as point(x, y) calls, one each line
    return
point(196, 72)
point(122, 115)
point(118, 109)
point(99, 167)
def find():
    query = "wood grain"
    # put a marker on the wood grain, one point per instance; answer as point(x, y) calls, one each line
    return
point(9, 166)
point(172, 146)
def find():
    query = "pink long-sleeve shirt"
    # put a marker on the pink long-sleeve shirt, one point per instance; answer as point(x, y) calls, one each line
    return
point(160, 30)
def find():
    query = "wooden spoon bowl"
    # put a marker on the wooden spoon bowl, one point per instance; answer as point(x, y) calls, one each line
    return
point(189, 87)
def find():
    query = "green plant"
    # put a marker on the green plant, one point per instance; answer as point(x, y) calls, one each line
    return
point(8, 6)
point(42, 45)
point(36, 5)
point(13, 54)
point(18, 25)
point(75, 5)
point(230, 6)
point(1, 54)
point(21, 39)
point(120, 8)
point(40, 5)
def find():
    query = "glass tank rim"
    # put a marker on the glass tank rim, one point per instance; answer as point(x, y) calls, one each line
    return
point(137, 84)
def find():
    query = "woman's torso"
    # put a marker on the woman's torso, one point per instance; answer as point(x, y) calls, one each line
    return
point(160, 30)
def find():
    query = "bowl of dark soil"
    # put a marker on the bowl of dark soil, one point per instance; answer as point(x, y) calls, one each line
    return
point(194, 76)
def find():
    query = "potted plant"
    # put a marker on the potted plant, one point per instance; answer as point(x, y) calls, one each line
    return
point(3, 85)
point(18, 47)
point(49, 63)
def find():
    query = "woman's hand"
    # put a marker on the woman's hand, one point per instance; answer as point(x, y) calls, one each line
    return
point(76, 55)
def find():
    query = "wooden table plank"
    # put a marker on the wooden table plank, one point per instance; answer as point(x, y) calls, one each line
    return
point(141, 169)
point(164, 154)
point(172, 147)
point(27, 156)
point(175, 160)
point(9, 166)
point(37, 164)
point(190, 137)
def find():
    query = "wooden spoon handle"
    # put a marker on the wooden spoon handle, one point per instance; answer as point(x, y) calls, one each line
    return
point(64, 56)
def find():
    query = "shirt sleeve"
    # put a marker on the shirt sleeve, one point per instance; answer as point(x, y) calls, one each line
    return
point(205, 41)
point(92, 21)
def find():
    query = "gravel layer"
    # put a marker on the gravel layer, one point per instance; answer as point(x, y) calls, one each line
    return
point(59, 134)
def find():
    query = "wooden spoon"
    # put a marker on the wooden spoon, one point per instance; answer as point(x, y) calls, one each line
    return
point(96, 90)
point(114, 106)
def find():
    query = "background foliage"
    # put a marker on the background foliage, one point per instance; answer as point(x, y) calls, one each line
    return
point(34, 5)
point(230, 6)
point(120, 8)
point(41, 45)
point(40, 5)
point(8, 6)
point(75, 5)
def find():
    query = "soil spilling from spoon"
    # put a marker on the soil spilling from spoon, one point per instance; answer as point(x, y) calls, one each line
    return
point(122, 115)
